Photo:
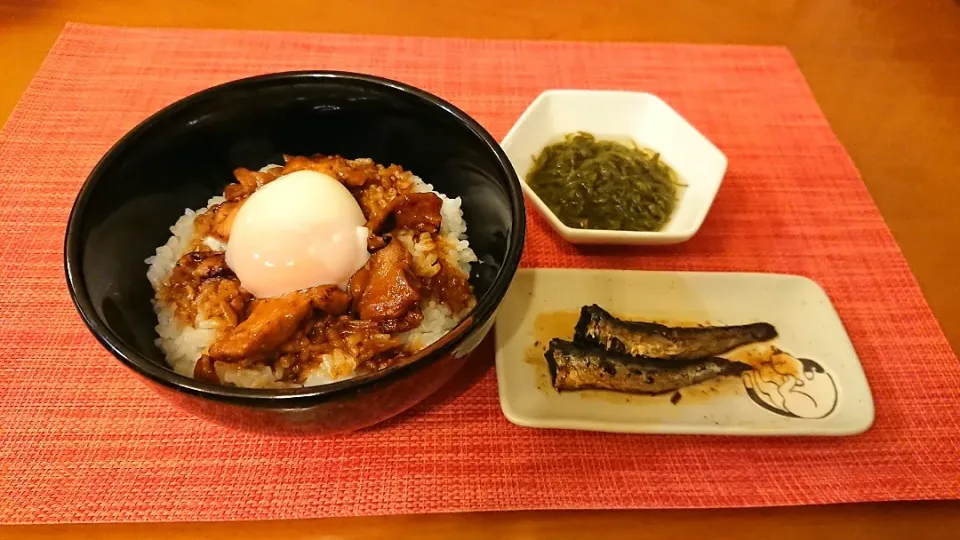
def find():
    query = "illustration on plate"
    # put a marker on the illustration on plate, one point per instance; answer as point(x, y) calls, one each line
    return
point(809, 393)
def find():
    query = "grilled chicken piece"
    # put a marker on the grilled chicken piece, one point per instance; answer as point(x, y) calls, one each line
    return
point(202, 283)
point(357, 284)
point(270, 323)
point(249, 181)
point(419, 212)
point(199, 266)
point(410, 320)
point(391, 288)
point(216, 222)
point(224, 216)
point(378, 220)
point(223, 298)
point(213, 265)
point(273, 320)
point(452, 287)
point(205, 371)
point(375, 242)
point(415, 211)
point(329, 299)
point(350, 173)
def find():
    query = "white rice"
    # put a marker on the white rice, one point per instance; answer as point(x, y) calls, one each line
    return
point(183, 345)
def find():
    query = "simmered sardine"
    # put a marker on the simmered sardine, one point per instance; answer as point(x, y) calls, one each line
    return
point(599, 328)
point(577, 367)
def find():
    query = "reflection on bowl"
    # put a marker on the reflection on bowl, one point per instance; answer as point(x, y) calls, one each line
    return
point(181, 156)
point(646, 120)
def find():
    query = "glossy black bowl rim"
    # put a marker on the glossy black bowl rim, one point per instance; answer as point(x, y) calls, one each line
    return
point(280, 398)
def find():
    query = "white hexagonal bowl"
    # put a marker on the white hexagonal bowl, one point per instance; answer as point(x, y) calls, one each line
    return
point(642, 117)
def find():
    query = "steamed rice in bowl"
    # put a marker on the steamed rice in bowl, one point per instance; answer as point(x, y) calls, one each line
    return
point(203, 308)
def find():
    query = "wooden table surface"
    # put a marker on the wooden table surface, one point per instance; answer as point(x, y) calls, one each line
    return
point(887, 75)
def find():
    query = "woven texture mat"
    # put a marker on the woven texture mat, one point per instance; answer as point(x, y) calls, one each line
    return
point(83, 440)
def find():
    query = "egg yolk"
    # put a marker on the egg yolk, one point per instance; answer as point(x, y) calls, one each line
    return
point(302, 230)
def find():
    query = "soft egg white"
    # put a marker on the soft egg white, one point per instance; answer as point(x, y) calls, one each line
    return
point(301, 230)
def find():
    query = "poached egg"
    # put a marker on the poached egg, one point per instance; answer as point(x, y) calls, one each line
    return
point(301, 230)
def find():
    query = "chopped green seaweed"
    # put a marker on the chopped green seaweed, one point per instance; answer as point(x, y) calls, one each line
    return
point(591, 184)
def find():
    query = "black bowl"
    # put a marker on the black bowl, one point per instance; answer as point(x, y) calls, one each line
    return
point(184, 154)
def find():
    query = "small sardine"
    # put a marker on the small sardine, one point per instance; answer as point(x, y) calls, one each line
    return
point(577, 367)
point(599, 328)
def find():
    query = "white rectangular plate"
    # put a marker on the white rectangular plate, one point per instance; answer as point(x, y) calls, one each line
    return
point(827, 397)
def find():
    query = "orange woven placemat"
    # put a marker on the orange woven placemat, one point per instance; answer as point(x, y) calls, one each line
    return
point(83, 440)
